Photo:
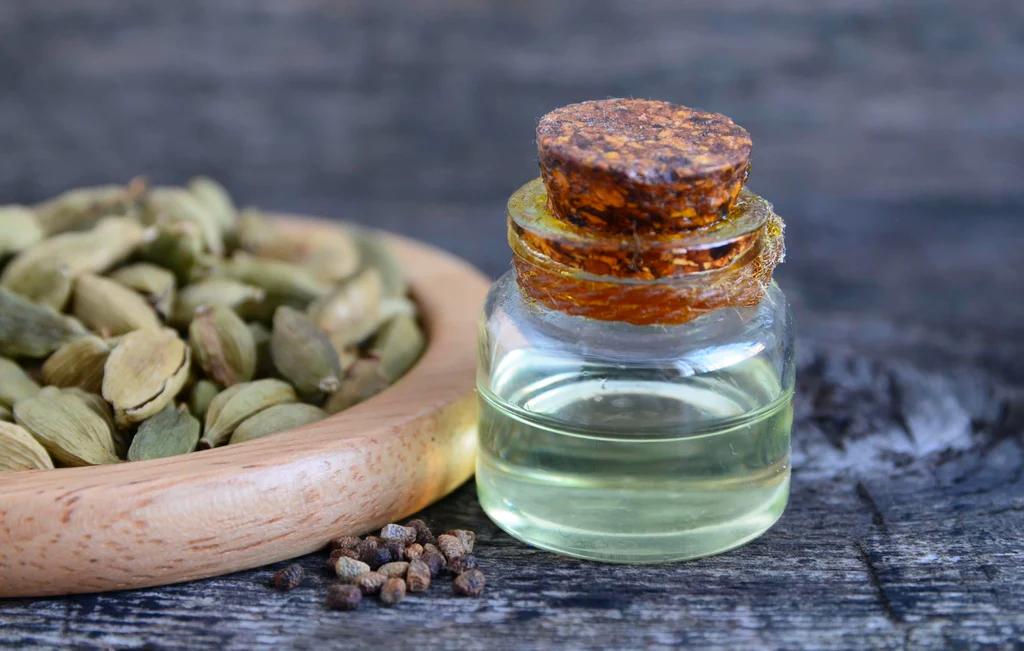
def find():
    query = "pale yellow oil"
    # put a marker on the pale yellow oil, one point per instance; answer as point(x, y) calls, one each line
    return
point(622, 465)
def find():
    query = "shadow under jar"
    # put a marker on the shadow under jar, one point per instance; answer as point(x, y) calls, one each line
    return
point(636, 365)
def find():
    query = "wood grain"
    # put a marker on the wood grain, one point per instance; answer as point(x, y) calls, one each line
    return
point(212, 512)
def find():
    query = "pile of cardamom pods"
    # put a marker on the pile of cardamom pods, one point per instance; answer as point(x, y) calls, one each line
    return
point(141, 322)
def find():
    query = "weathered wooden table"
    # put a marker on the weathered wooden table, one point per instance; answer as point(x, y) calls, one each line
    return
point(889, 136)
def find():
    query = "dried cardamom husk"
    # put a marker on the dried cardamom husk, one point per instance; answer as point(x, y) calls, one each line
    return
point(202, 394)
point(214, 291)
point(19, 229)
point(353, 312)
point(222, 345)
point(78, 363)
point(144, 373)
point(171, 432)
point(216, 199)
point(6, 415)
point(166, 205)
point(177, 247)
point(235, 404)
point(282, 283)
point(67, 427)
point(304, 355)
point(31, 330)
point(95, 251)
point(362, 381)
point(278, 418)
point(398, 345)
point(110, 308)
point(19, 451)
point(331, 256)
point(156, 284)
point(15, 383)
point(81, 208)
point(374, 253)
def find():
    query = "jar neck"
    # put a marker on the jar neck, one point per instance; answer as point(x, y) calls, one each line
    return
point(643, 279)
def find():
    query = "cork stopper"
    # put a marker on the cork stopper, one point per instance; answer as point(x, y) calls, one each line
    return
point(641, 167)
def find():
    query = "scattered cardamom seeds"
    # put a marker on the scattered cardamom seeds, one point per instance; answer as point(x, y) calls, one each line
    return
point(369, 582)
point(392, 592)
point(466, 537)
point(235, 404)
point(343, 597)
point(450, 546)
point(469, 584)
point(20, 451)
point(348, 568)
point(413, 551)
point(461, 564)
point(222, 345)
point(396, 532)
point(394, 569)
point(345, 542)
point(289, 578)
point(424, 535)
point(418, 576)
point(171, 432)
point(279, 418)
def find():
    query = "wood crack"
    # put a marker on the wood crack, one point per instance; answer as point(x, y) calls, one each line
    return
point(876, 582)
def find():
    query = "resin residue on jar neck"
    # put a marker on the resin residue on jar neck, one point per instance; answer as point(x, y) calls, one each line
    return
point(641, 215)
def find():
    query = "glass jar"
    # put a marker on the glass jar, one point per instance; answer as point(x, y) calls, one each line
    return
point(638, 414)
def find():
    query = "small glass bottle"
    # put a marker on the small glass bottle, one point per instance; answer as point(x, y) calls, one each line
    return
point(636, 364)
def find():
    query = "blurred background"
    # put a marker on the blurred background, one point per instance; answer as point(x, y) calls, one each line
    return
point(890, 135)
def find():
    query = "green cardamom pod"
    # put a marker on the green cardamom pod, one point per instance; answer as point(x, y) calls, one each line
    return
point(165, 205)
point(362, 381)
point(278, 418)
point(331, 256)
point(398, 345)
point(171, 432)
point(374, 253)
point(110, 308)
point(15, 383)
point(203, 393)
point(236, 404)
point(177, 247)
point(78, 363)
point(95, 251)
point(214, 291)
point(264, 360)
point(216, 199)
point(19, 229)
point(304, 355)
point(282, 283)
point(67, 427)
point(19, 451)
point(144, 373)
point(353, 312)
point(156, 284)
point(81, 208)
point(31, 330)
point(102, 408)
point(222, 345)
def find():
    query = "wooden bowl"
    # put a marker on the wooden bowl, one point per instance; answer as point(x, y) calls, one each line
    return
point(208, 513)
